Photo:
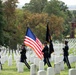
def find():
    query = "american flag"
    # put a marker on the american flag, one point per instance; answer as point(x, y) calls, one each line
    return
point(33, 42)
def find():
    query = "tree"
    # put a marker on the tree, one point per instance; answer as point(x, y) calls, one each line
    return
point(37, 22)
point(35, 6)
point(56, 7)
point(74, 13)
point(21, 25)
point(56, 26)
point(10, 28)
point(59, 9)
point(1, 24)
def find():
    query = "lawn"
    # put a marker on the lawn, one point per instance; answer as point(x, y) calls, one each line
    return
point(12, 70)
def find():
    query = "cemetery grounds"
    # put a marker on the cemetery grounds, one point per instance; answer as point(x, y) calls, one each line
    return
point(12, 70)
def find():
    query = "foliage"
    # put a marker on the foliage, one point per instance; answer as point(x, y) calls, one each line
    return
point(74, 13)
point(10, 28)
point(56, 26)
point(37, 23)
point(20, 26)
point(59, 8)
point(40, 32)
point(1, 24)
point(35, 15)
point(53, 7)
point(35, 6)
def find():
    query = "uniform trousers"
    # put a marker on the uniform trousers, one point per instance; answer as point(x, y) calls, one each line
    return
point(46, 61)
point(66, 60)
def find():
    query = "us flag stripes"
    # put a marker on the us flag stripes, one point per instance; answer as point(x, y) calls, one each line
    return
point(33, 42)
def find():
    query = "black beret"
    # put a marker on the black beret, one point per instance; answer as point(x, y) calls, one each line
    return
point(23, 45)
point(66, 41)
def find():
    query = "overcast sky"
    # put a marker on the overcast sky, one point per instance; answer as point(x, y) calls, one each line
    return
point(68, 2)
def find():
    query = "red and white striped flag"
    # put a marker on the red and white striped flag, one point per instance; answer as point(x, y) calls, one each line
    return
point(33, 42)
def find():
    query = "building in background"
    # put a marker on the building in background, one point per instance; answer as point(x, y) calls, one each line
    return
point(73, 28)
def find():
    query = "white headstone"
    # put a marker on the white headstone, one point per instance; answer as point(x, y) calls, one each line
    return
point(10, 60)
point(36, 61)
point(32, 59)
point(20, 67)
point(57, 68)
point(50, 71)
point(61, 65)
point(72, 71)
point(41, 65)
point(2, 59)
point(41, 72)
point(33, 69)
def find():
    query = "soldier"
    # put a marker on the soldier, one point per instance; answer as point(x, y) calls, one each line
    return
point(23, 56)
point(65, 51)
point(46, 55)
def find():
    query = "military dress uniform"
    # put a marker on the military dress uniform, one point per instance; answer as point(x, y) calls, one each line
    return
point(65, 50)
point(46, 55)
point(23, 56)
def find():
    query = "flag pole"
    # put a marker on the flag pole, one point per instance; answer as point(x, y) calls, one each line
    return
point(49, 39)
point(47, 32)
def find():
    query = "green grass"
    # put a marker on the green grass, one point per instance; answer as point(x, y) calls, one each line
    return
point(12, 70)
point(66, 70)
